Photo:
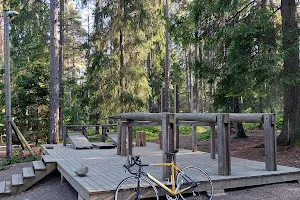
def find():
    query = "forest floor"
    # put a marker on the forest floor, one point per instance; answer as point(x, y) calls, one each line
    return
point(251, 148)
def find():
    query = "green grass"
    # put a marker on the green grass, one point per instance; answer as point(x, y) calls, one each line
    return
point(6, 162)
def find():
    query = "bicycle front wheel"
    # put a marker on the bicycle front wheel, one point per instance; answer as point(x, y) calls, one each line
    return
point(190, 175)
point(135, 188)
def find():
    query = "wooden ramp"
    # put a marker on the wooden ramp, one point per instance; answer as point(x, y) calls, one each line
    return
point(113, 137)
point(103, 145)
point(79, 141)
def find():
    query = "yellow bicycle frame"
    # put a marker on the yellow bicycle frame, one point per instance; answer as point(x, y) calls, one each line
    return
point(171, 191)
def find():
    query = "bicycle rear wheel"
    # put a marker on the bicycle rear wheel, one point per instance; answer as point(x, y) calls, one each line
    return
point(189, 175)
point(128, 189)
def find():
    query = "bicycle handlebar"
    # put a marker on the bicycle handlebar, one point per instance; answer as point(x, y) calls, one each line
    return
point(134, 160)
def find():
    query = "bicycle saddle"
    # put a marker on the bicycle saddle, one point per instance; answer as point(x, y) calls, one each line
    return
point(173, 152)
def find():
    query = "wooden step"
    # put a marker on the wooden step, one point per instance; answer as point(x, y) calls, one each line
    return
point(2, 186)
point(8, 187)
point(39, 165)
point(5, 187)
point(28, 172)
point(16, 180)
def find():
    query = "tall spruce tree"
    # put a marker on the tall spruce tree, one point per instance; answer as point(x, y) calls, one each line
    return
point(290, 39)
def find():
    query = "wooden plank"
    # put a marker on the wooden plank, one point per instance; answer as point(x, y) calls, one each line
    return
point(79, 141)
point(213, 142)
point(38, 165)
point(224, 166)
point(202, 117)
point(141, 123)
point(113, 137)
point(246, 117)
point(16, 180)
point(139, 116)
point(103, 145)
point(28, 172)
point(195, 123)
point(270, 142)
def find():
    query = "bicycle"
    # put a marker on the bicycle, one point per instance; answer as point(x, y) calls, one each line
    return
point(142, 184)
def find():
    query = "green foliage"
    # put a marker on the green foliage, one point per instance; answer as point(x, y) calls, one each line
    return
point(204, 136)
point(279, 121)
point(6, 162)
point(187, 130)
point(151, 132)
point(251, 126)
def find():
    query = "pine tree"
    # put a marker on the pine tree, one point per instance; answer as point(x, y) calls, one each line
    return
point(53, 135)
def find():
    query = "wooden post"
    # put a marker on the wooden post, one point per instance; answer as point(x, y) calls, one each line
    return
point(171, 137)
point(224, 164)
point(104, 130)
point(160, 139)
point(270, 142)
point(194, 139)
point(162, 102)
point(129, 140)
point(23, 140)
point(176, 110)
point(165, 149)
point(84, 131)
point(140, 138)
point(213, 142)
point(119, 137)
point(64, 135)
point(124, 141)
point(194, 134)
point(97, 128)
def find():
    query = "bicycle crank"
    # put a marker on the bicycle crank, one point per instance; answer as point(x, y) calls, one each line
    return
point(171, 198)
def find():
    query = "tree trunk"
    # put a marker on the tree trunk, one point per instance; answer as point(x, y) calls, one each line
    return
point(1, 36)
point(53, 135)
point(166, 107)
point(122, 59)
point(150, 82)
point(235, 107)
point(61, 65)
point(291, 116)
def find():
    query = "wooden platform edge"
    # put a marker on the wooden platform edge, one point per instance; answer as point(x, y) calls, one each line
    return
point(240, 182)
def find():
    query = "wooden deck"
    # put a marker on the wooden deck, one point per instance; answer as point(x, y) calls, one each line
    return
point(106, 169)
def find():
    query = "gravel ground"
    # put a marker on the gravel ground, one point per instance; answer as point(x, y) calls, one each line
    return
point(49, 188)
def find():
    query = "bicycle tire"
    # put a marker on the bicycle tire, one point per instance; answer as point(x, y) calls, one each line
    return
point(191, 174)
point(127, 189)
